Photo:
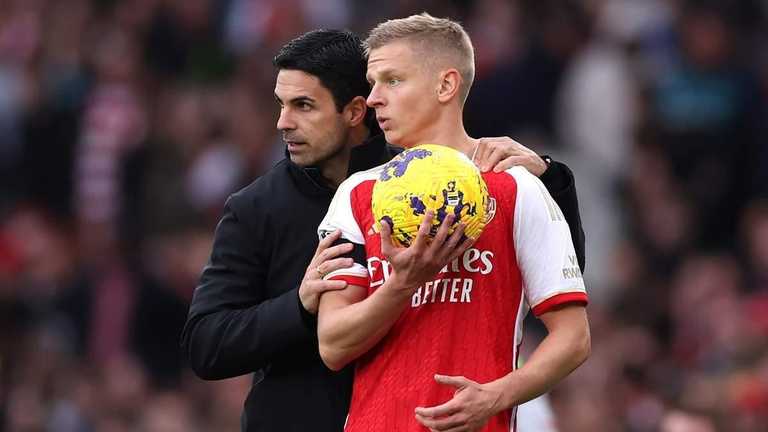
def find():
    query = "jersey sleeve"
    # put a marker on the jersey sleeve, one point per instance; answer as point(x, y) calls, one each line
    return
point(545, 252)
point(341, 216)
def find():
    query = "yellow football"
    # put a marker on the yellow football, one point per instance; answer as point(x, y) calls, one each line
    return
point(430, 177)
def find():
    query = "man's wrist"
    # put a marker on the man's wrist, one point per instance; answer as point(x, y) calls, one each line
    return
point(397, 288)
point(547, 162)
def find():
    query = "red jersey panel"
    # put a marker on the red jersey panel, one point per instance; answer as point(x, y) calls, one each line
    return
point(466, 321)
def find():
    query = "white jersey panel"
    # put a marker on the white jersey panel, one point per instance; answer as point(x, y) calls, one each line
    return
point(340, 214)
point(543, 245)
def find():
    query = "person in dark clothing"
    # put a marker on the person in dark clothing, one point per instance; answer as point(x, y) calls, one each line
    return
point(254, 310)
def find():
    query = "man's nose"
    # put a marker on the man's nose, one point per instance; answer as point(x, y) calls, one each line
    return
point(285, 121)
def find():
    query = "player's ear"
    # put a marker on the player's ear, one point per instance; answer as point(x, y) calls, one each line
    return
point(354, 112)
point(448, 88)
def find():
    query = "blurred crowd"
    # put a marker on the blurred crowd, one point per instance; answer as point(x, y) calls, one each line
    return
point(125, 124)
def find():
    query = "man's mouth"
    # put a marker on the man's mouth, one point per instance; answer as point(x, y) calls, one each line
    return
point(294, 145)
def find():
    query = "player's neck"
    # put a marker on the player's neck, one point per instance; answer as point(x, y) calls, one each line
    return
point(449, 131)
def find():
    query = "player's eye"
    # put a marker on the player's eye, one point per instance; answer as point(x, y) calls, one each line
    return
point(393, 82)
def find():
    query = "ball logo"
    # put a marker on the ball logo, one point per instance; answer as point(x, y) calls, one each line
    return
point(400, 163)
point(452, 196)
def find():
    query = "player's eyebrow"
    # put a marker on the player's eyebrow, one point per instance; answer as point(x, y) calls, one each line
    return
point(380, 73)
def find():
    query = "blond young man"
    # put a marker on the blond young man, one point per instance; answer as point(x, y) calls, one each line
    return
point(430, 354)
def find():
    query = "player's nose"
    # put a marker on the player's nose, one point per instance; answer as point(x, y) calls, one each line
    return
point(375, 99)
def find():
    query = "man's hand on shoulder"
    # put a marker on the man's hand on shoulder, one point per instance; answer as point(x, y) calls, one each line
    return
point(501, 153)
point(326, 260)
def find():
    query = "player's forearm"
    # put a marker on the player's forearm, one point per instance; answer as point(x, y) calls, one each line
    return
point(346, 333)
point(558, 355)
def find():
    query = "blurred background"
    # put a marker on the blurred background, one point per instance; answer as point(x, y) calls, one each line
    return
point(125, 124)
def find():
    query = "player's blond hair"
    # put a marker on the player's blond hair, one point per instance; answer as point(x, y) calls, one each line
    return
point(434, 38)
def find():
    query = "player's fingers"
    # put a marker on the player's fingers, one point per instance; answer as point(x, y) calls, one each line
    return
point(454, 423)
point(423, 235)
point(387, 248)
point(442, 232)
point(455, 238)
point(461, 248)
point(448, 408)
point(456, 381)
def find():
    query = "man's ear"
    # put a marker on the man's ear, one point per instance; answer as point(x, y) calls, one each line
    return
point(448, 88)
point(354, 112)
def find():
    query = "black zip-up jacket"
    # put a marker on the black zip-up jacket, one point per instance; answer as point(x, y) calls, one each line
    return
point(246, 316)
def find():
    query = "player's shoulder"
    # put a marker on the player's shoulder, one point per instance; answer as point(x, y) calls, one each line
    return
point(508, 180)
point(522, 178)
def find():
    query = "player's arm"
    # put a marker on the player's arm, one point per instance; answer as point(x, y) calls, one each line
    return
point(566, 346)
point(232, 327)
point(349, 323)
point(554, 288)
point(501, 153)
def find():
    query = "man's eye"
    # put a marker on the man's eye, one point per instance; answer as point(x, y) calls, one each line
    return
point(393, 82)
point(305, 106)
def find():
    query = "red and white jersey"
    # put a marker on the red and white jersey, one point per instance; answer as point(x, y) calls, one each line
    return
point(468, 320)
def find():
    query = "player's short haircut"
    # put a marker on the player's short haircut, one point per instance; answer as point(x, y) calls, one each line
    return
point(434, 38)
point(336, 58)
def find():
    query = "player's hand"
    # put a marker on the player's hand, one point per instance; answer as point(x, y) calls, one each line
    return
point(502, 153)
point(422, 260)
point(469, 409)
point(324, 262)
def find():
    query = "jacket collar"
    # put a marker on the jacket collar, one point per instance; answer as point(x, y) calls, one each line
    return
point(373, 152)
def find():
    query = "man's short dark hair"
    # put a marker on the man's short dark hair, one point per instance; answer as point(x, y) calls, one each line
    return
point(336, 57)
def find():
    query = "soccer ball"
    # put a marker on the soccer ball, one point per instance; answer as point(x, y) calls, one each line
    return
point(429, 177)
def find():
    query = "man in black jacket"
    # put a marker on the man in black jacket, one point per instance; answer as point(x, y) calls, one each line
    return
point(254, 310)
